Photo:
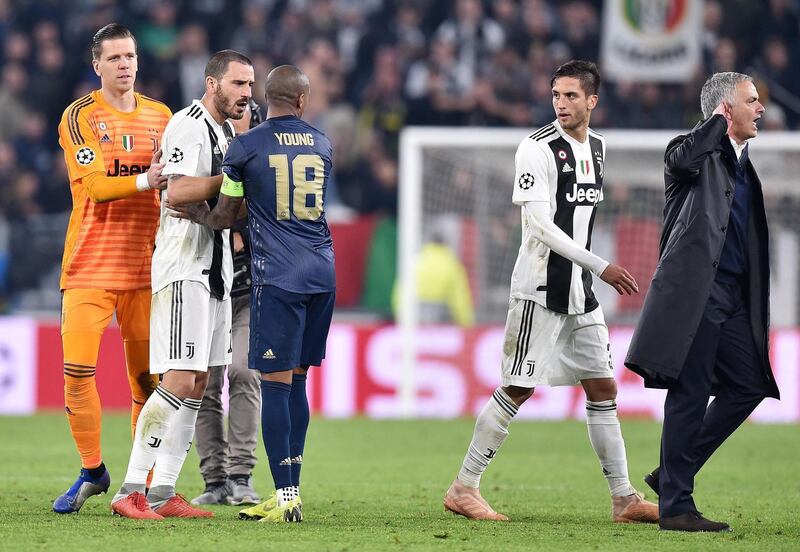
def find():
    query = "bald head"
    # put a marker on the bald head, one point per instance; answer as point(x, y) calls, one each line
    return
point(285, 85)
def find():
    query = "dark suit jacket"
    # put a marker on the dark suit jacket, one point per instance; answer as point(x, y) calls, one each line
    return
point(699, 181)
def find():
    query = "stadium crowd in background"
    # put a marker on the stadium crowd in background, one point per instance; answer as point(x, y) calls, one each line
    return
point(377, 65)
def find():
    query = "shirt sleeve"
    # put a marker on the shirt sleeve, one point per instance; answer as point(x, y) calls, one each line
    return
point(546, 231)
point(80, 143)
point(531, 182)
point(84, 159)
point(184, 144)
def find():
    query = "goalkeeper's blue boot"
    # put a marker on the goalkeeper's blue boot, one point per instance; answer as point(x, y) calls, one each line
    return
point(86, 486)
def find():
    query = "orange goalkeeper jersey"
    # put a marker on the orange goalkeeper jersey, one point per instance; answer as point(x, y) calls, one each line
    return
point(111, 233)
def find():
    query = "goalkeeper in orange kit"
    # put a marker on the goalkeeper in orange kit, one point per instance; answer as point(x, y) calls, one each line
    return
point(111, 141)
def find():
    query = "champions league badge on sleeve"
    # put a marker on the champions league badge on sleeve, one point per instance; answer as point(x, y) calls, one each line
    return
point(85, 156)
point(526, 181)
point(176, 156)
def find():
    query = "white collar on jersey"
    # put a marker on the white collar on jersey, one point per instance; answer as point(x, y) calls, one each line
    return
point(569, 138)
point(207, 115)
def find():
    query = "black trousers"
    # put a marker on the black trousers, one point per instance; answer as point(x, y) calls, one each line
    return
point(723, 347)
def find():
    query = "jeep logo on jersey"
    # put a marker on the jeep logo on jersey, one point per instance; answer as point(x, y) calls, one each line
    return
point(121, 169)
point(526, 181)
point(85, 156)
point(585, 194)
point(127, 142)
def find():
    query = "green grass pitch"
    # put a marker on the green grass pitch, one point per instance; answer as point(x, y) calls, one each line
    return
point(378, 485)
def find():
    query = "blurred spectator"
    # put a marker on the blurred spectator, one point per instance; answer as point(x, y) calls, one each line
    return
point(13, 110)
point(506, 90)
point(442, 286)
point(8, 167)
point(475, 35)
point(782, 79)
point(17, 48)
point(383, 112)
point(30, 146)
point(724, 57)
point(439, 86)
point(6, 19)
point(193, 55)
point(581, 24)
point(780, 19)
point(158, 36)
point(370, 186)
point(48, 89)
point(287, 36)
point(252, 36)
point(22, 202)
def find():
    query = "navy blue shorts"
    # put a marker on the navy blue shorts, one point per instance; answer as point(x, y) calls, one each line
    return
point(288, 330)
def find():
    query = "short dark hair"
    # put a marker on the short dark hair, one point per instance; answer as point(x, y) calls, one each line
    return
point(218, 64)
point(585, 71)
point(109, 32)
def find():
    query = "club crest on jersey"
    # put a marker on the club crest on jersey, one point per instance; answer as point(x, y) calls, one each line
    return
point(584, 166)
point(85, 156)
point(176, 156)
point(598, 158)
point(127, 142)
point(526, 181)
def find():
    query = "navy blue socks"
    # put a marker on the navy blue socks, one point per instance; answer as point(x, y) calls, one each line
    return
point(276, 426)
point(298, 409)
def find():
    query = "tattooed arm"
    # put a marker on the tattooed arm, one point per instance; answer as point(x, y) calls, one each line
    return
point(222, 216)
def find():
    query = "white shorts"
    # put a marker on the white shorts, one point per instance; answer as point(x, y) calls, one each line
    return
point(189, 329)
point(543, 347)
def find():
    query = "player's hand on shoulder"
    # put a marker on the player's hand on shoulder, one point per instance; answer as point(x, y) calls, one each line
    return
point(620, 279)
point(196, 212)
point(154, 178)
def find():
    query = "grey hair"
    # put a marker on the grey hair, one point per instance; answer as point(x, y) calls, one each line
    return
point(718, 88)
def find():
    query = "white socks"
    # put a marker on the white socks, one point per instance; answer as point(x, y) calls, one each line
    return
point(606, 438)
point(163, 438)
point(172, 454)
point(154, 422)
point(491, 429)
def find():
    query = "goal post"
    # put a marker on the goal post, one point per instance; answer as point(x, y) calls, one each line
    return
point(457, 182)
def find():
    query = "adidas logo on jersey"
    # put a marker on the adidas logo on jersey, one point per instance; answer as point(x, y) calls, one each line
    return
point(269, 355)
point(567, 168)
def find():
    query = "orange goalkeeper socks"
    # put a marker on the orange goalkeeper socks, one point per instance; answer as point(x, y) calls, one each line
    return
point(83, 412)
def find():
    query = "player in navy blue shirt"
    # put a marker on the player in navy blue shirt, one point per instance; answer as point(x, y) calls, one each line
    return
point(282, 168)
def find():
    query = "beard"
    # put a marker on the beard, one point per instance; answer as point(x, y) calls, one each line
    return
point(576, 120)
point(225, 106)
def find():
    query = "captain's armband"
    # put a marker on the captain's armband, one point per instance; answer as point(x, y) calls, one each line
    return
point(231, 188)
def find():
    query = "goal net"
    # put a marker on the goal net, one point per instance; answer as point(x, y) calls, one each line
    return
point(455, 189)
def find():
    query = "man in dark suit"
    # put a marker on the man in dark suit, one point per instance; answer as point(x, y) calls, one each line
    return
point(704, 325)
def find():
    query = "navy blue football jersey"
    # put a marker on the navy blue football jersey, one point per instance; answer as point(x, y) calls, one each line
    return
point(284, 165)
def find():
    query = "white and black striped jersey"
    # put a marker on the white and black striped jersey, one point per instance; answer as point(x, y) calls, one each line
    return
point(553, 167)
point(193, 144)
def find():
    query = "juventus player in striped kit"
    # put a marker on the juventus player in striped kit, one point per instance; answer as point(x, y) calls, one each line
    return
point(190, 323)
point(555, 332)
